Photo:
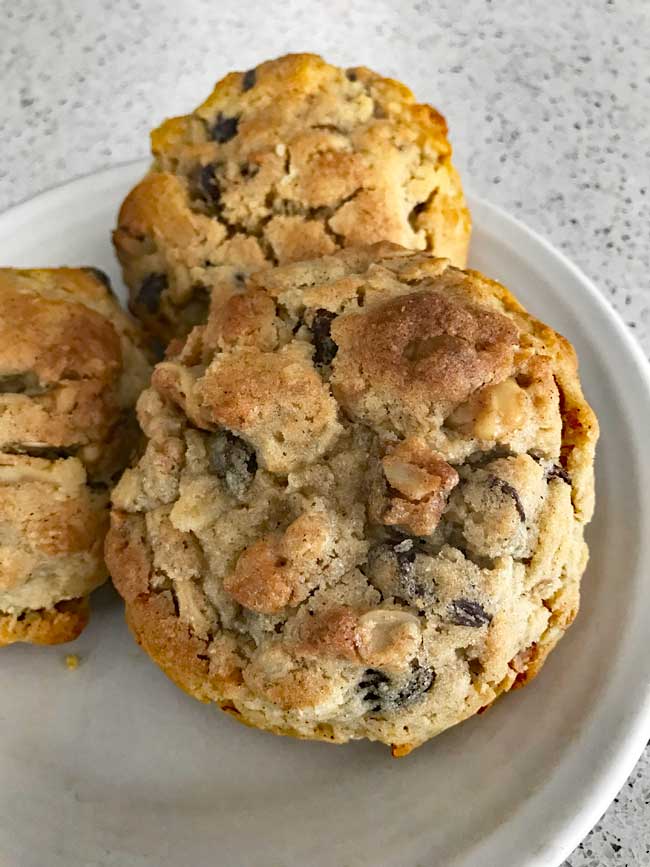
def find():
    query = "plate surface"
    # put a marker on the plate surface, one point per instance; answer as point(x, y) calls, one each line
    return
point(112, 765)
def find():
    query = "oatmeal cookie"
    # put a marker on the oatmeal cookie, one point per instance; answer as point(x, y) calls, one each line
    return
point(71, 369)
point(361, 508)
point(288, 161)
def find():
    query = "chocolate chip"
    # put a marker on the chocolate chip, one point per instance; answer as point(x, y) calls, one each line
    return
point(233, 461)
point(464, 612)
point(209, 183)
point(324, 346)
point(100, 276)
point(248, 80)
point(558, 472)
point(374, 685)
point(409, 588)
point(507, 488)
point(351, 75)
point(224, 128)
point(150, 291)
point(384, 696)
point(420, 683)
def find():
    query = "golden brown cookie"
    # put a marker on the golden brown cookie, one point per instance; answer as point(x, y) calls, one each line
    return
point(71, 368)
point(288, 161)
point(361, 509)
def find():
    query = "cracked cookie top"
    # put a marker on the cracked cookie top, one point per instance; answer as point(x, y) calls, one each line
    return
point(288, 161)
point(360, 512)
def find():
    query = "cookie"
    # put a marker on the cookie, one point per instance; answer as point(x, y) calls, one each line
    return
point(291, 160)
point(360, 512)
point(71, 369)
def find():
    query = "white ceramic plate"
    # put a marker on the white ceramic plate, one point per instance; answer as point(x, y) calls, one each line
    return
point(112, 765)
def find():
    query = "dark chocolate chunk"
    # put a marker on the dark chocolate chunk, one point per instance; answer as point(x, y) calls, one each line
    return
point(420, 683)
point(409, 588)
point(383, 696)
point(464, 612)
point(248, 80)
point(233, 460)
point(507, 488)
point(209, 183)
point(351, 75)
point(224, 128)
point(374, 685)
point(101, 276)
point(324, 346)
point(150, 291)
point(558, 472)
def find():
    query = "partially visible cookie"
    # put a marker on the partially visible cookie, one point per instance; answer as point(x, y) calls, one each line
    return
point(362, 505)
point(288, 161)
point(71, 368)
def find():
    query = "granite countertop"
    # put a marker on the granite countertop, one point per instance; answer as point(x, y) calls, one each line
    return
point(548, 107)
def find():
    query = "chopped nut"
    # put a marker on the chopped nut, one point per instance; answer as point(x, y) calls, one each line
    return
point(493, 412)
point(419, 482)
point(388, 637)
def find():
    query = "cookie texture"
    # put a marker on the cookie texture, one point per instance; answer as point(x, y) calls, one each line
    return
point(71, 368)
point(291, 160)
point(360, 511)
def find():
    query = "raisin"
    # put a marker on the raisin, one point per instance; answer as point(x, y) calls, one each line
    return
point(224, 128)
point(233, 461)
point(101, 277)
point(209, 184)
point(150, 291)
point(464, 612)
point(558, 472)
point(507, 488)
point(248, 79)
point(324, 346)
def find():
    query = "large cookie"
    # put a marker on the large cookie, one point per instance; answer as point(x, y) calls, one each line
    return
point(292, 160)
point(361, 508)
point(71, 369)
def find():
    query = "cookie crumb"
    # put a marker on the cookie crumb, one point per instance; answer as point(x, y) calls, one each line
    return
point(72, 661)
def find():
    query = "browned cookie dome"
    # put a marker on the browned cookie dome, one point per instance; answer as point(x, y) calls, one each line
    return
point(361, 508)
point(288, 161)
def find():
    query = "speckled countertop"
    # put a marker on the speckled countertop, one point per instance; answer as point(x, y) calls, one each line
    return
point(548, 107)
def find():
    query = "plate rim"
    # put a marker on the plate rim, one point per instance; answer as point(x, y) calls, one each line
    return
point(628, 748)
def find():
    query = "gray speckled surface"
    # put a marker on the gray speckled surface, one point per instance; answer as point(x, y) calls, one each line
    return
point(548, 107)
